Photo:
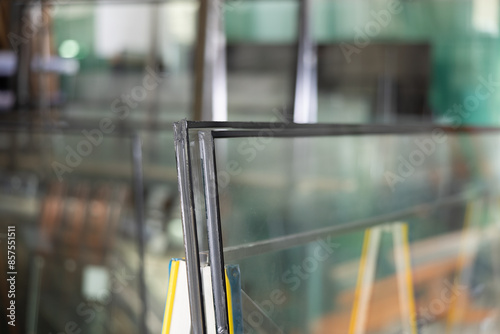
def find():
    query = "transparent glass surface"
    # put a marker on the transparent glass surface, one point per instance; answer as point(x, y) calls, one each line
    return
point(315, 182)
point(89, 61)
point(164, 238)
point(427, 261)
point(367, 69)
point(462, 37)
point(261, 58)
point(71, 199)
point(129, 66)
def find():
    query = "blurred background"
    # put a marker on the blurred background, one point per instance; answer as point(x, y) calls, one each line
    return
point(85, 84)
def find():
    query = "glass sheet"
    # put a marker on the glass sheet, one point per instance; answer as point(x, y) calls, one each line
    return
point(279, 186)
point(261, 58)
point(73, 208)
point(271, 187)
point(70, 202)
point(362, 63)
point(94, 62)
point(264, 71)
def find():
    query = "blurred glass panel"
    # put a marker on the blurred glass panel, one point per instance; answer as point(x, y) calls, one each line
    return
point(69, 193)
point(385, 83)
point(323, 180)
point(129, 66)
point(440, 273)
point(263, 21)
point(89, 61)
point(70, 201)
point(260, 81)
point(261, 58)
point(463, 41)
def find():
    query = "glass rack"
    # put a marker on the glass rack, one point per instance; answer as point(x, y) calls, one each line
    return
point(342, 229)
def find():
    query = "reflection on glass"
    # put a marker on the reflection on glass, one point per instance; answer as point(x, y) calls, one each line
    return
point(460, 41)
point(90, 62)
point(261, 58)
point(70, 197)
point(427, 263)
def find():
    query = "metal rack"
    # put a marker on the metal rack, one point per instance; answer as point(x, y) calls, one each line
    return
point(186, 132)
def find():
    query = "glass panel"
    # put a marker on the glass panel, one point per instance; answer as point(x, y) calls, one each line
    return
point(34, 162)
point(261, 58)
point(384, 61)
point(70, 200)
point(414, 216)
point(163, 240)
point(89, 61)
point(325, 180)
point(131, 65)
point(386, 82)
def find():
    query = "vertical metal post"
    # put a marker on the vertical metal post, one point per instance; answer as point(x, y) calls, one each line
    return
point(215, 253)
point(189, 227)
point(210, 85)
point(44, 76)
point(305, 106)
point(35, 281)
point(199, 82)
point(306, 90)
point(152, 104)
point(386, 94)
point(139, 216)
point(402, 260)
point(469, 246)
point(21, 12)
point(219, 79)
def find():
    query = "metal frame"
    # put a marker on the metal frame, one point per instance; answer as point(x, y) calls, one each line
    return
point(318, 129)
point(340, 130)
point(210, 102)
point(189, 227)
point(306, 87)
point(138, 187)
point(208, 132)
point(137, 183)
point(216, 257)
point(210, 89)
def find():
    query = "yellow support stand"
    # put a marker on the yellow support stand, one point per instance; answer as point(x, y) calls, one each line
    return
point(229, 298)
point(366, 275)
point(169, 307)
point(468, 249)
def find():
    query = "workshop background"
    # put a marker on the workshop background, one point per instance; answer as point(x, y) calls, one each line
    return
point(89, 90)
